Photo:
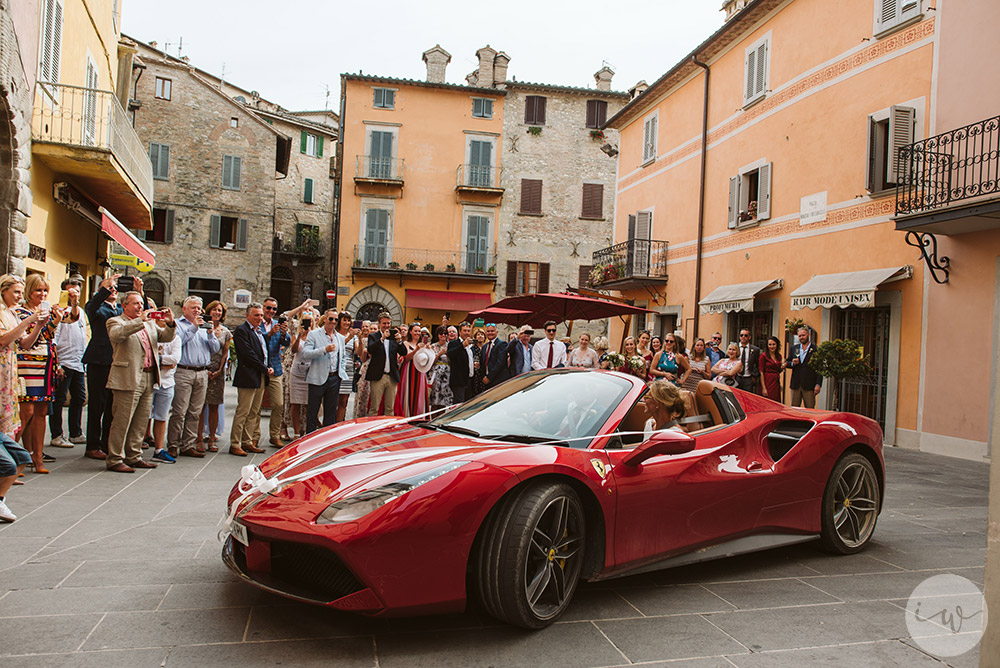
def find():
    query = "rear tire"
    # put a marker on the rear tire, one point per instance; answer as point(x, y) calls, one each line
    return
point(851, 504)
point(530, 555)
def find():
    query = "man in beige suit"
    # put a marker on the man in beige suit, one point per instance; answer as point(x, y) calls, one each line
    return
point(134, 372)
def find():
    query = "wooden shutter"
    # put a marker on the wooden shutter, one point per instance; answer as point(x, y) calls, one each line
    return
point(751, 75)
point(534, 110)
point(649, 139)
point(164, 166)
point(540, 111)
point(168, 227)
point(583, 277)
point(734, 202)
point(593, 200)
point(215, 229)
point(631, 226)
point(760, 76)
point(227, 171)
point(643, 224)
point(901, 121)
point(241, 234)
point(764, 192)
point(871, 173)
point(307, 197)
point(51, 40)
point(237, 172)
point(154, 158)
point(591, 113)
point(319, 146)
point(543, 277)
point(529, 109)
point(886, 15)
point(531, 196)
point(511, 287)
point(303, 142)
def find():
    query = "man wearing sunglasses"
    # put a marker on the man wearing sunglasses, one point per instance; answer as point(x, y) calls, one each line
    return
point(549, 353)
point(275, 332)
point(324, 348)
point(713, 349)
point(495, 354)
point(747, 378)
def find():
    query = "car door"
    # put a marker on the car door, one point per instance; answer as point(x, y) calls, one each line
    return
point(670, 503)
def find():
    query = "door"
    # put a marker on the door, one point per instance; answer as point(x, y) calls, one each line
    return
point(480, 157)
point(758, 322)
point(380, 155)
point(870, 328)
point(376, 237)
point(477, 245)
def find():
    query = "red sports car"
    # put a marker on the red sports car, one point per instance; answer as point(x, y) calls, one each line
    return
point(516, 495)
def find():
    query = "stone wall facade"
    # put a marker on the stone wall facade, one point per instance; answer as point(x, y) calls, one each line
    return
point(564, 155)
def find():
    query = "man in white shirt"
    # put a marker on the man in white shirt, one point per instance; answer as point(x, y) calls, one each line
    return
point(71, 341)
point(549, 353)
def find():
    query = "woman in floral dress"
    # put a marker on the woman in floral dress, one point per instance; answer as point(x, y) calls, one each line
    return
point(12, 333)
point(361, 397)
point(440, 377)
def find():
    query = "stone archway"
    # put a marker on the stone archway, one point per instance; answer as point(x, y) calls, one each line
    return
point(375, 294)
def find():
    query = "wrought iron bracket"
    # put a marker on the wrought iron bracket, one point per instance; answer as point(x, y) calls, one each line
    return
point(927, 243)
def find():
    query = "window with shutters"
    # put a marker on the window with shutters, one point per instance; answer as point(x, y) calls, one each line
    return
point(90, 128)
point(380, 148)
point(888, 131)
point(384, 98)
point(479, 158)
point(209, 289)
point(750, 195)
point(534, 109)
point(482, 107)
point(163, 88)
point(308, 196)
point(597, 113)
point(50, 41)
point(649, 129)
point(525, 278)
point(583, 275)
point(159, 156)
point(228, 233)
point(891, 15)
point(232, 168)
point(531, 197)
point(756, 68)
point(311, 145)
point(163, 227)
point(593, 201)
point(477, 243)
point(377, 235)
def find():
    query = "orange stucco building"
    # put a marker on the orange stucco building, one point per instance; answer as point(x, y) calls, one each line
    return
point(789, 212)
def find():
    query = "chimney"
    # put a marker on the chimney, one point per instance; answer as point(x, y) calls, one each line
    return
point(733, 7)
point(437, 60)
point(152, 44)
point(472, 78)
point(638, 89)
point(486, 56)
point(603, 78)
point(500, 70)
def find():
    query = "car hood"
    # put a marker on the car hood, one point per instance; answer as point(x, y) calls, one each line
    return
point(341, 461)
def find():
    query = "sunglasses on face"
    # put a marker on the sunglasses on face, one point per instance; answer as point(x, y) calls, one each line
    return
point(744, 336)
point(550, 331)
point(669, 341)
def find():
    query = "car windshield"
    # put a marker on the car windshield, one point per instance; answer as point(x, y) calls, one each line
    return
point(568, 407)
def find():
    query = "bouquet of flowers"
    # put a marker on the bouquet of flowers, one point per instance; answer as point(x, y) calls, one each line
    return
point(636, 363)
point(616, 360)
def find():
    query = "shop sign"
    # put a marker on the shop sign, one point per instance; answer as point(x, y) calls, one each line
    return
point(863, 299)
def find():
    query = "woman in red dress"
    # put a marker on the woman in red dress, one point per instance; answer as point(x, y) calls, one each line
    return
point(411, 395)
point(771, 365)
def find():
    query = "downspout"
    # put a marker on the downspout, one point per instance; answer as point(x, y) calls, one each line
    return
point(135, 89)
point(701, 200)
point(338, 184)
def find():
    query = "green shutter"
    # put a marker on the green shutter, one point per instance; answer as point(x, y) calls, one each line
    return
point(168, 232)
point(302, 142)
point(241, 235)
point(308, 196)
point(214, 231)
point(319, 147)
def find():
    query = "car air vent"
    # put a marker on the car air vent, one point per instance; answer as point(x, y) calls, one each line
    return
point(785, 435)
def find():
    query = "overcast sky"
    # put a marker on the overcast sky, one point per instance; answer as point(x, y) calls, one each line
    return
point(292, 51)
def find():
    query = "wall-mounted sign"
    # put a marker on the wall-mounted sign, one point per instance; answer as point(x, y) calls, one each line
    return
point(812, 208)
point(241, 298)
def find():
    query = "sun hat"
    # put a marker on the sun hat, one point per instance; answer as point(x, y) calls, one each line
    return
point(423, 360)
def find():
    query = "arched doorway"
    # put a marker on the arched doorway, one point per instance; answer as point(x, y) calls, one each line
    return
point(281, 288)
point(368, 302)
point(156, 290)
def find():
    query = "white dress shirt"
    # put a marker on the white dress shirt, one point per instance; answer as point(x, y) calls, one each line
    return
point(540, 353)
point(71, 340)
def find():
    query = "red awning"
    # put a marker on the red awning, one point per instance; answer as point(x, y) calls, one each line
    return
point(446, 300)
point(131, 243)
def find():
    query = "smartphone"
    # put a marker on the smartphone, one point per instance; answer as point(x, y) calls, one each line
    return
point(356, 324)
point(125, 284)
point(157, 315)
point(307, 323)
point(45, 306)
point(314, 303)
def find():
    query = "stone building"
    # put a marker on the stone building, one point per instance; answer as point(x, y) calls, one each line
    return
point(559, 186)
point(244, 199)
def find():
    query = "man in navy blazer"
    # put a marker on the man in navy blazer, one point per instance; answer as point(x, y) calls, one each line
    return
point(250, 379)
point(383, 367)
point(805, 383)
point(495, 357)
point(519, 352)
point(460, 359)
point(103, 306)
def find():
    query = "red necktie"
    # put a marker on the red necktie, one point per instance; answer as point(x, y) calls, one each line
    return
point(486, 358)
point(552, 351)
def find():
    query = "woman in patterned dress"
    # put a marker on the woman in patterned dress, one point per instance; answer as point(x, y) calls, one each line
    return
point(12, 333)
point(701, 366)
point(36, 366)
point(364, 387)
point(215, 394)
point(440, 378)
point(412, 393)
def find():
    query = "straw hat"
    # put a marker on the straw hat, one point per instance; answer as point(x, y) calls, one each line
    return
point(423, 360)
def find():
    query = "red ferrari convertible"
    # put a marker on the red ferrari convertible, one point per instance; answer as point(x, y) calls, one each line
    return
point(516, 495)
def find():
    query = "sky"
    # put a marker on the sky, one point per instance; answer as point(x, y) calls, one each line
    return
point(294, 58)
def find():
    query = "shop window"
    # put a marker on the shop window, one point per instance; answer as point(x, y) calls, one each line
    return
point(750, 196)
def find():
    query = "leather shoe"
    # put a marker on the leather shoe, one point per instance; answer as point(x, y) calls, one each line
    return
point(121, 467)
point(277, 443)
point(192, 453)
point(143, 464)
point(172, 451)
point(239, 452)
point(254, 448)
point(95, 454)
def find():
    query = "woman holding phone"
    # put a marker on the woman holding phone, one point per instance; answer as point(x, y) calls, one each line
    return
point(215, 394)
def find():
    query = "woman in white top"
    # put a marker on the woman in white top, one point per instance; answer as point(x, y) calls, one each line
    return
point(583, 355)
point(664, 405)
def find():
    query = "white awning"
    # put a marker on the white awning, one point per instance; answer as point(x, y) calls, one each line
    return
point(853, 288)
point(737, 297)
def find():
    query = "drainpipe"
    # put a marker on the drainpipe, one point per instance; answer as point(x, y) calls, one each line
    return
point(338, 184)
point(701, 200)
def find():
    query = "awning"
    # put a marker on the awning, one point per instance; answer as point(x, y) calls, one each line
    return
point(128, 241)
point(853, 288)
point(738, 297)
point(447, 300)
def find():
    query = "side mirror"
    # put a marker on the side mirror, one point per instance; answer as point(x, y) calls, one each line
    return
point(666, 442)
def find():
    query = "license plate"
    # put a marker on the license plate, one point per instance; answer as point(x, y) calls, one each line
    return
point(240, 534)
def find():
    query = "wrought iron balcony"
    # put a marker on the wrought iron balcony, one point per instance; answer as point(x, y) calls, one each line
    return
point(478, 177)
point(304, 247)
point(630, 264)
point(377, 169)
point(86, 133)
point(962, 164)
point(439, 263)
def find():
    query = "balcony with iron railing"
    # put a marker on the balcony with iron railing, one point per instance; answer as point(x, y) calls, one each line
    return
point(948, 181)
point(85, 133)
point(376, 169)
point(304, 246)
point(630, 264)
point(478, 178)
point(429, 263)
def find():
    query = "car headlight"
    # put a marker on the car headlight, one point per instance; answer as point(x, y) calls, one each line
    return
point(359, 505)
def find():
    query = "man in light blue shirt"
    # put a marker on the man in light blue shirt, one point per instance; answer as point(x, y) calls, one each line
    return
point(324, 348)
point(190, 379)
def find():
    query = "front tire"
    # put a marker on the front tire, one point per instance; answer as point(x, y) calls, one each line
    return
point(851, 504)
point(531, 554)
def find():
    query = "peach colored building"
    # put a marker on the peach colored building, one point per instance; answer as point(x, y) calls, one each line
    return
point(788, 212)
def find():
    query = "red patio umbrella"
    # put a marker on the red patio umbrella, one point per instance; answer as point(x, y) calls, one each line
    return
point(536, 310)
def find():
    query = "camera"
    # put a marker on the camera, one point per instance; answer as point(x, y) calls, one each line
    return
point(282, 319)
point(393, 331)
point(125, 284)
point(307, 323)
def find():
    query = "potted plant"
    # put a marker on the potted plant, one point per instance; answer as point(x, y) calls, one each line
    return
point(750, 213)
point(492, 270)
point(429, 267)
point(535, 131)
point(372, 263)
point(412, 266)
point(840, 359)
point(357, 262)
point(793, 325)
point(480, 269)
point(450, 267)
point(394, 265)
point(597, 135)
